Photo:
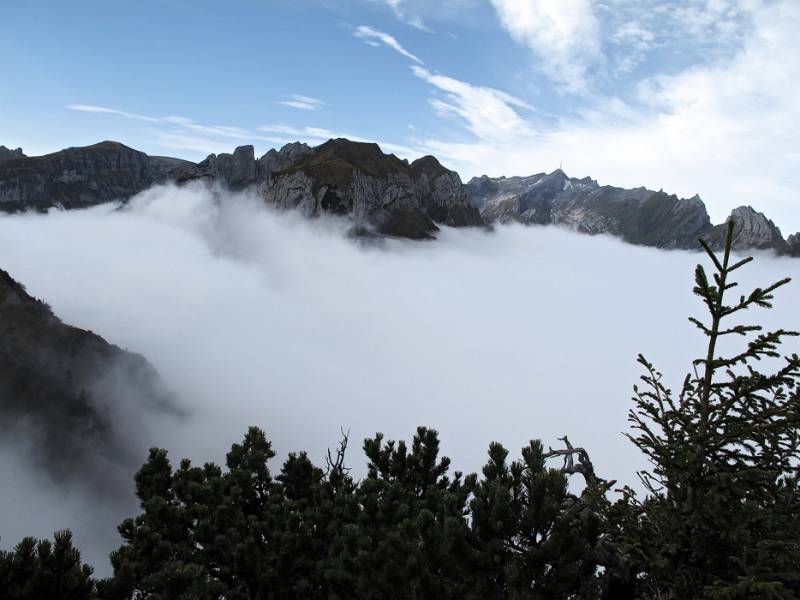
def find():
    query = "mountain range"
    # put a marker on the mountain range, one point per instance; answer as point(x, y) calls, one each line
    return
point(382, 194)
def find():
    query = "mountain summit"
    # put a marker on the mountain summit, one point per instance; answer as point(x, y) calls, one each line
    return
point(638, 215)
point(381, 193)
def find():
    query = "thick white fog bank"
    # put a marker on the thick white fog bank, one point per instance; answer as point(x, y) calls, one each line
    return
point(257, 317)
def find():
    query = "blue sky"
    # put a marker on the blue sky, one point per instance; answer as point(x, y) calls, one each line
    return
point(692, 96)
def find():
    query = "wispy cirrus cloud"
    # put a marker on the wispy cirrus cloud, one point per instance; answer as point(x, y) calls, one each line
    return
point(90, 108)
point(302, 102)
point(185, 122)
point(489, 113)
point(400, 12)
point(377, 38)
point(564, 35)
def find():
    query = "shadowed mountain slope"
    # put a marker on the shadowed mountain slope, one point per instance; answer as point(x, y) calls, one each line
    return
point(79, 177)
point(68, 391)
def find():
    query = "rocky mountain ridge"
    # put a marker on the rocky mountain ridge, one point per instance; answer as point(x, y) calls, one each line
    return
point(639, 216)
point(80, 177)
point(9, 154)
point(378, 191)
point(381, 193)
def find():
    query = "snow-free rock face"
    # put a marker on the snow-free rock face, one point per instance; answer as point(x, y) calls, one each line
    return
point(752, 230)
point(78, 177)
point(236, 171)
point(380, 193)
point(793, 244)
point(639, 215)
point(8, 154)
point(376, 190)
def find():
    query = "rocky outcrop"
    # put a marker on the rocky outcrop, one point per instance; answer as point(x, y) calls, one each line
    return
point(79, 177)
point(64, 386)
point(278, 160)
point(638, 215)
point(8, 154)
point(793, 244)
point(236, 171)
point(378, 191)
point(241, 170)
point(752, 230)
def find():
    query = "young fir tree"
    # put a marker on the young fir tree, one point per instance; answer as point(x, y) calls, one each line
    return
point(722, 519)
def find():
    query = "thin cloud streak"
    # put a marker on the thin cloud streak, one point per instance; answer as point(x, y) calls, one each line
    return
point(303, 102)
point(375, 37)
point(193, 136)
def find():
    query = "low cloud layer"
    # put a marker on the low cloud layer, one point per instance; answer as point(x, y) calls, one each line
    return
point(257, 317)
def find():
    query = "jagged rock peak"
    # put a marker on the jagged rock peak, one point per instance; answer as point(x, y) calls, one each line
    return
point(378, 191)
point(793, 244)
point(365, 156)
point(9, 154)
point(638, 215)
point(277, 160)
point(429, 166)
point(752, 230)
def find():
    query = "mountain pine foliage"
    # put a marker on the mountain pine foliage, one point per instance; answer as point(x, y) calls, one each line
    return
point(719, 518)
point(722, 515)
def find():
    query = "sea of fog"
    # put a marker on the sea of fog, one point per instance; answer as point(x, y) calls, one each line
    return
point(261, 318)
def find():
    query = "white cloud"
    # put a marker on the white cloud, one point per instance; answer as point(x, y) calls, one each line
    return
point(303, 102)
point(184, 122)
point(374, 37)
point(413, 20)
point(89, 108)
point(726, 130)
point(488, 113)
point(564, 34)
point(223, 296)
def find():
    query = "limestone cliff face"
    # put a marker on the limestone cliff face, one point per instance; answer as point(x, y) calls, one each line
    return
point(638, 215)
point(277, 160)
point(793, 244)
point(8, 154)
point(378, 191)
point(236, 171)
point(79, 177)
point(752, 230)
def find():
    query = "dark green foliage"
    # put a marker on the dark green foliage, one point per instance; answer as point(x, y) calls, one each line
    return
point(407, 530)
point(721, 519)
point(534, 538)
point(38, 569)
